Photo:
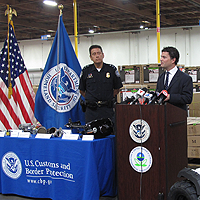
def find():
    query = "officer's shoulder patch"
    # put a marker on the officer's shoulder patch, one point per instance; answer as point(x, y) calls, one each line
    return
point(117, 73)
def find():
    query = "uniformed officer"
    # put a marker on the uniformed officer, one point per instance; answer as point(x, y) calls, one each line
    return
point(99, 84)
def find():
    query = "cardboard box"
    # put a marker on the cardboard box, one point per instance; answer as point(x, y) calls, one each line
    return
point(194, 107)
point(130, 74)
point(193, 133)
point(193, 126)
point(193, 152)
point(193, 129)
point(194, 112)
point(193, 141)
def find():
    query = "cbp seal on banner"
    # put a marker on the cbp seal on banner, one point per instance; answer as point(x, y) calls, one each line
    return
point(60, 88)
point(140, 159)
point(139, 131)
point(11, 165)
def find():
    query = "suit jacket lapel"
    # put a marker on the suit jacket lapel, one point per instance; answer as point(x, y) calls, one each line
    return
point(174, 79)
point(162, 78)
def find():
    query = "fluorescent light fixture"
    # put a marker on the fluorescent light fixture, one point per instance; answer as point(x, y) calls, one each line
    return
point(51, 31)
point(91, 31)
point(146, 22)
point(50, 3)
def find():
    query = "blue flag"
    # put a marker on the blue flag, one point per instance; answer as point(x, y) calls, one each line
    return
point(58, 96)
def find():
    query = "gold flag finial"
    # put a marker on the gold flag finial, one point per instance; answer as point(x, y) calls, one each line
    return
point(9, 11)
point(60, 8)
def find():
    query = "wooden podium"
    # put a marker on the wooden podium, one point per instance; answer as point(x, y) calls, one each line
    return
point(167, 144)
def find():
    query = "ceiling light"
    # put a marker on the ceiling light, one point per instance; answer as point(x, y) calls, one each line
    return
point(91, 31)
point(94, 29)
point(146, 22)
point(50, 3)
point(51, 31)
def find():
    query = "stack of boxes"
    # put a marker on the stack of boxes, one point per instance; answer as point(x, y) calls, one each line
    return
point(193, 122)
point(193, 136)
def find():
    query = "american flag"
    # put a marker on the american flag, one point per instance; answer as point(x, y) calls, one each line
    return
point(18, 109)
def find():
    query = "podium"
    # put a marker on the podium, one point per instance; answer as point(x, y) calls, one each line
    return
point(167, 145)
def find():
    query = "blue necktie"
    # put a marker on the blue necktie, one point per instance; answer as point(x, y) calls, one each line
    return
point(166, 81)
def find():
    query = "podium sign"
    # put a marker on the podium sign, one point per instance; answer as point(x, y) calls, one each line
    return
point(162, 134)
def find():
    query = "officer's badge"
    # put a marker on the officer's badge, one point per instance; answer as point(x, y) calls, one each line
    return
point(107, 75)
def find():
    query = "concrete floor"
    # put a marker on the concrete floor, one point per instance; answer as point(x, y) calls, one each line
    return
point(15, 197)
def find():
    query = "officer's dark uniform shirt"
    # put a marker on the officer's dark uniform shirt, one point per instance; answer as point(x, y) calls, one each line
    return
point(99, 86)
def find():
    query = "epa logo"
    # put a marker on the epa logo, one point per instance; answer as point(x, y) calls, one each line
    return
point(11, 165)
point(140, 159)
point(60, 88)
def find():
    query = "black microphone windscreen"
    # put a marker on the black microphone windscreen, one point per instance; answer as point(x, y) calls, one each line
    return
point(162, 96)
point(144, 89)
point(154, 98)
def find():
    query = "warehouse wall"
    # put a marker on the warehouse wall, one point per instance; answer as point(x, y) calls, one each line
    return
point(121, 48)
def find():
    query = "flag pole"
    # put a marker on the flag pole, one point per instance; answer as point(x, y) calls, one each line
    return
point(75, 27)
point(158, 28)
point(58, 52)
point(9, 12)
point(58, 36)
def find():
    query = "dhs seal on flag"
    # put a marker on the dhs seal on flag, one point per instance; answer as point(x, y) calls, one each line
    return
point(140, 159)
point(11, 165)
point(139, 131)
point(60, 88)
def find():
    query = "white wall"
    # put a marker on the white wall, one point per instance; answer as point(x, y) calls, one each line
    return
point(122, 48)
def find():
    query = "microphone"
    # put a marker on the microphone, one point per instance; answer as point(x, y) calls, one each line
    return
point(154, 98)
point(139, 94)
point(128, 100)
point(162, 96)
point(147, 98)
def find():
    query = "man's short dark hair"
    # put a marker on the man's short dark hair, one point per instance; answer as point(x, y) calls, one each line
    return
point(95, 46)
point(173, 53)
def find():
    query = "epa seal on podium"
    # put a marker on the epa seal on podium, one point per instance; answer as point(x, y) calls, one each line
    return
point(139, 131)
point(140, 159)
point(11, 165)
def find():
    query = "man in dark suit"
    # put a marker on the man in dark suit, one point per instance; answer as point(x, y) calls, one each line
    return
point(177, 83)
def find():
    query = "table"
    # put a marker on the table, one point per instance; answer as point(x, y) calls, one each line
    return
point(58, 169)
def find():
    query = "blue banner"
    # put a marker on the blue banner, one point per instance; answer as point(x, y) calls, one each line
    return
point(57, 98)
